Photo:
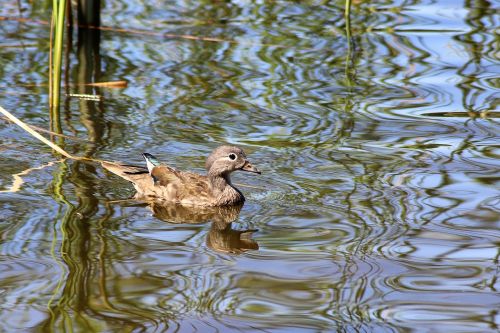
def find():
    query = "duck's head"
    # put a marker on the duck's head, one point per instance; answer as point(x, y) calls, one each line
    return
point(226, 159)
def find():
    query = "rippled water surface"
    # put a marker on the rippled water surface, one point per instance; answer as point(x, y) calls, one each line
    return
point(378, 208)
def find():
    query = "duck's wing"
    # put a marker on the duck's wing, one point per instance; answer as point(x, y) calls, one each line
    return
point(178, 186)
point(181, 187)
point(164, 175)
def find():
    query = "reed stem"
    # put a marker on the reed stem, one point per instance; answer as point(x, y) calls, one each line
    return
point(58, 7)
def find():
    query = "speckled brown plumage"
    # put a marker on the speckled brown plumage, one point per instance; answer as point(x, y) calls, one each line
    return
point(161, 182)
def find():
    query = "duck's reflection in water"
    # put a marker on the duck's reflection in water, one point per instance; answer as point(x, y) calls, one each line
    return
point(221, 237)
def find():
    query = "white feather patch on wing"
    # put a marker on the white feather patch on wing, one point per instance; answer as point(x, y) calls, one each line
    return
point(149, 165)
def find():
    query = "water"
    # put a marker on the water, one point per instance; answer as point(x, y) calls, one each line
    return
point(378, 207)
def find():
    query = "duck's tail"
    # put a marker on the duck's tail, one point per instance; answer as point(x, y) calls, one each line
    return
point(131, 173)
point(140, 176)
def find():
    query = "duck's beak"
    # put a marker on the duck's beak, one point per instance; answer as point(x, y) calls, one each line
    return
point(250, 168)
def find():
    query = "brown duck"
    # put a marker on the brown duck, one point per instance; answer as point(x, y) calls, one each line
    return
point(161, 182)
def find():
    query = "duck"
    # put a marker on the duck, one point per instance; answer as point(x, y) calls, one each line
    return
point(160, 182)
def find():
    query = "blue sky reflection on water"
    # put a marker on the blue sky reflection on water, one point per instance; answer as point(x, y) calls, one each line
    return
point(377, 210)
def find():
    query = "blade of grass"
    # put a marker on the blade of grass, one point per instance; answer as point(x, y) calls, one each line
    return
point(52, 145)
point(37, 135)
point(109, 84)
point(71, 137)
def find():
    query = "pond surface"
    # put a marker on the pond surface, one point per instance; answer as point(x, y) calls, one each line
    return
point(378, 209)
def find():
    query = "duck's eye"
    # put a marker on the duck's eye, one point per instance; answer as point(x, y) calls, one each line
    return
point(232, 157)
